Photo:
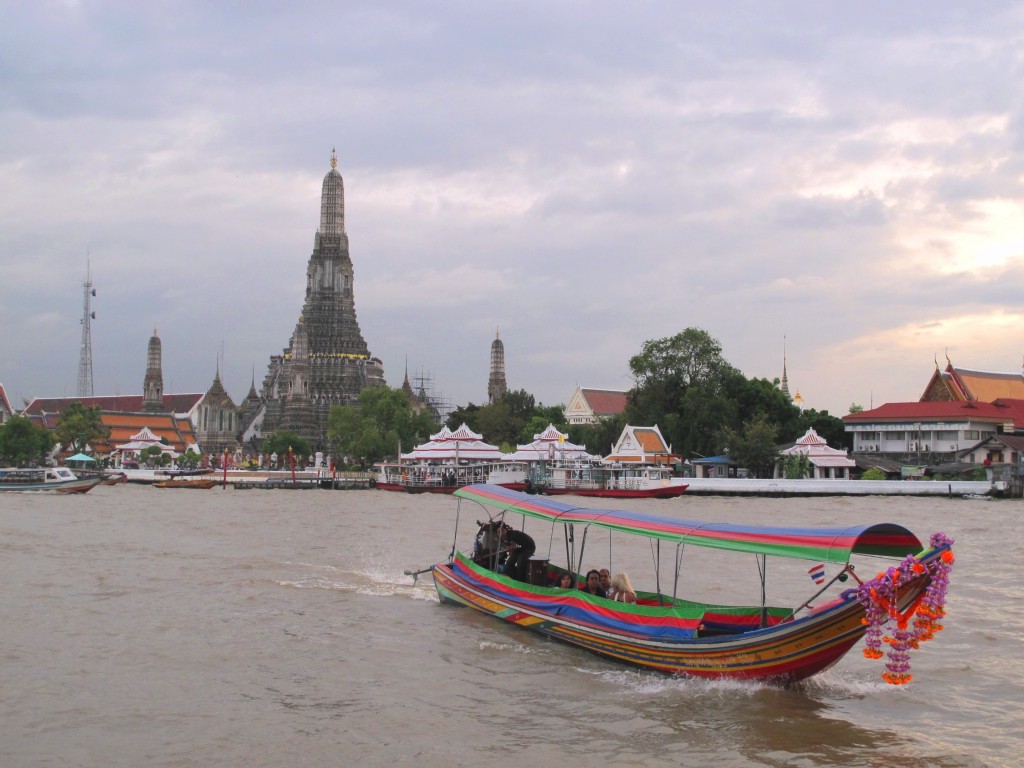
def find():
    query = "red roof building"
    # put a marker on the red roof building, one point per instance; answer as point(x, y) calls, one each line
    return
point(936, 429)
point(588, 406)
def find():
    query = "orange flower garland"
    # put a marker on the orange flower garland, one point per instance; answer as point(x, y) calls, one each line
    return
point(880, 597)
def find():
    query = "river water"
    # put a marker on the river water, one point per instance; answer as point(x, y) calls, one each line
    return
point(147, 627)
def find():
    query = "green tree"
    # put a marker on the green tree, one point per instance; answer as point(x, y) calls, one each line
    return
point(281, 441)
point(753, 446)
point(374, 428)
point(79, 426)
point(832, 429)
point(537, 423)
point(761, 398)
point(796, 466)
point(495, 422)
point(854, 408)
point(682, 386)
point(154, 456)
point(692, 357)
point(189, 460)
point(465, 414)
point(598, 438)
point(509, 420)
point(874, 473)
point(24, 443)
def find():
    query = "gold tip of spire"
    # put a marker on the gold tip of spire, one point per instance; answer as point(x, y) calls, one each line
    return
point(334, 158)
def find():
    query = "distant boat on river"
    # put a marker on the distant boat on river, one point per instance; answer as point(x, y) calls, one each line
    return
point(45, 480)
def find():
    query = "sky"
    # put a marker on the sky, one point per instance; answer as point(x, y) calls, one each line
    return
point(841, 185)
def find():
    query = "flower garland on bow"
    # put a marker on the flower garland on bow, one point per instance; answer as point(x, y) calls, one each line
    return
point(880, 598)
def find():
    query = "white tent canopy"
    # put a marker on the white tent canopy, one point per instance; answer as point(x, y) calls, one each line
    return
point(551, 445)
point(448, 447)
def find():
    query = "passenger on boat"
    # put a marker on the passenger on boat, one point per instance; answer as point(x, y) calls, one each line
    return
point(565, 581)
point(593, 585)
point(622, 589)
point(520, 549)
point(606, 582)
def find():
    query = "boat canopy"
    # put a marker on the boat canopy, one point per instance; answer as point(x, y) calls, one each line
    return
point(834, 545)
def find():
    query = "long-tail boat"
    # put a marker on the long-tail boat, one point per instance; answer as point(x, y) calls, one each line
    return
point(663, 631)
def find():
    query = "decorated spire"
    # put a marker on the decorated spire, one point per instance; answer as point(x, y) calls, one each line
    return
point(496, 384)
point(153, 383)
point(785, 378)
point(332, 201)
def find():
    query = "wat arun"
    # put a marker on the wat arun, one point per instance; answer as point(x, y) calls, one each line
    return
point(326, 362)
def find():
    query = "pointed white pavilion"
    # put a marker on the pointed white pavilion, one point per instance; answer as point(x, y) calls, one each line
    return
point(551, 445)
point(449, 447)
point(828, 463)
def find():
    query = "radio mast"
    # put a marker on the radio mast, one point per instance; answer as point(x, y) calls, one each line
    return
point(85, 358)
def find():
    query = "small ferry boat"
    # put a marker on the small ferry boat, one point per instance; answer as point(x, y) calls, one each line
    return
point(615, 481)
point(432, 478)
point(662, 631)
point(45, 480)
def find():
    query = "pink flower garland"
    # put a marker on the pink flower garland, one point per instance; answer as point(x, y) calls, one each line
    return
point(880, 598)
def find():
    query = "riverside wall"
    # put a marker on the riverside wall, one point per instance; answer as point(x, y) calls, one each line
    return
point(783, 487)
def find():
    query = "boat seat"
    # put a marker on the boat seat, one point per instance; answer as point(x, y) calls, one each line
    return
point(537, 571)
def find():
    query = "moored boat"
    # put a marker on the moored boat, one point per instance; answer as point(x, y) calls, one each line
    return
point(417, 478)
point(611, 482)
point(450, 460)
point(45, 480)
point(181, 482)
point(664, 632)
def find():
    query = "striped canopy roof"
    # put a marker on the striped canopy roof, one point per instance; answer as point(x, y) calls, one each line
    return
point(819, 544)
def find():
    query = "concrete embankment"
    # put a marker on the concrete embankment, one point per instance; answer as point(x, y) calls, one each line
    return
point(782, 487)
point(266, 478)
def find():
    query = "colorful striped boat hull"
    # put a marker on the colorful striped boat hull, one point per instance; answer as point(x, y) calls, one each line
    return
point(662, 638)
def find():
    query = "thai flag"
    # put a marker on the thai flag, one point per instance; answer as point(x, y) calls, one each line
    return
point(817, 573)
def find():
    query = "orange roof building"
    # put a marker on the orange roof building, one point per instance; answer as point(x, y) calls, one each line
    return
point(123, 415)
point(641, 445)
point(965, 384)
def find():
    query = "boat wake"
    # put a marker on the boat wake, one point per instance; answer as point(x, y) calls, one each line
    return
point(490, 645)
point(373, 581)
point(647, 683)
point(836, 684)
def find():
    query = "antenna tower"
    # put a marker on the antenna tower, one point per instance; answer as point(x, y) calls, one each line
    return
point(85, 358)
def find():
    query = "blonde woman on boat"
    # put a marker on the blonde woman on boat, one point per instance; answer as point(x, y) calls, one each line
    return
point(622, 588)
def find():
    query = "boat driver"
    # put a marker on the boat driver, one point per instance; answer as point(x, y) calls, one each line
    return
point(520, 549)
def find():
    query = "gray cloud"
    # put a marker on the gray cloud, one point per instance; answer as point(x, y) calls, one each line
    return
point(584, 176)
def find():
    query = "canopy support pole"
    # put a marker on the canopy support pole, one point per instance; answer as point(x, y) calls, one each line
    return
point(762, 567)
point(679, 567)
point(657, 570)
point(583, 546)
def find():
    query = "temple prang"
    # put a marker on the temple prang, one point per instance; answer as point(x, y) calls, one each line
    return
point(327, 361)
